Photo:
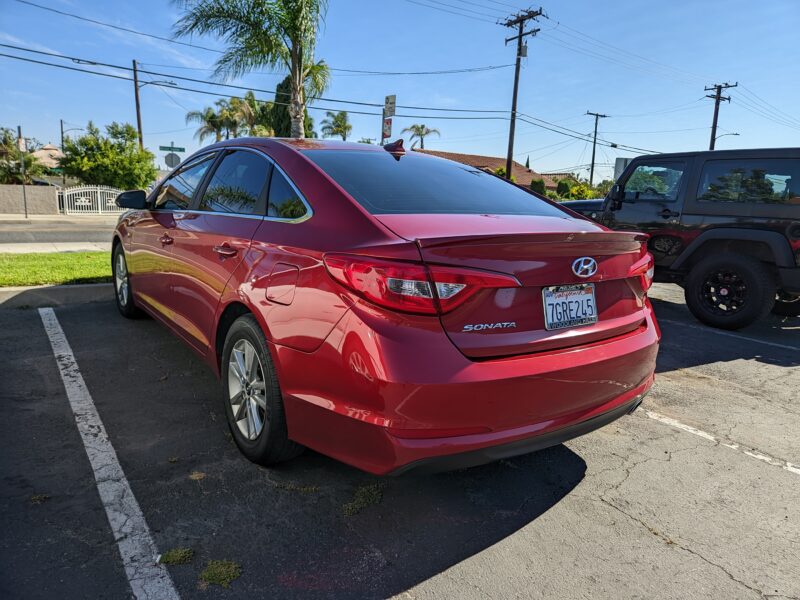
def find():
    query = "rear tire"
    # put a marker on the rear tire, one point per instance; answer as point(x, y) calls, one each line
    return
point(123, 292)
point(730, 291)
point(252, 396)
point(786, 307)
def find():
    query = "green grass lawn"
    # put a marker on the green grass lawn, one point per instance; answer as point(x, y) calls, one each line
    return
point(54, 268)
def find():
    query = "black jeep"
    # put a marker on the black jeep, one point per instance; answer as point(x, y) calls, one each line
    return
point(725, 225)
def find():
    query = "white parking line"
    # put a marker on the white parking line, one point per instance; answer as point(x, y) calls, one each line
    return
point(147, 578)
point(729, 334)
point(787, 466)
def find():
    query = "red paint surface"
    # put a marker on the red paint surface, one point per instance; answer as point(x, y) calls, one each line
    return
point(353, 373)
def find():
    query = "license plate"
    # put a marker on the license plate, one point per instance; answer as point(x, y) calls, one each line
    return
point(569, 305)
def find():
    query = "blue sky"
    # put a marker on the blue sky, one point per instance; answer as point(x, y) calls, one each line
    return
point(643, 63)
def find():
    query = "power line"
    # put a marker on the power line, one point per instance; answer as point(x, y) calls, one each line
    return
point(217, 51)
point(461, 8)
point(452, 12)
point(522, 116)
point(241, 87)
point(117, 27)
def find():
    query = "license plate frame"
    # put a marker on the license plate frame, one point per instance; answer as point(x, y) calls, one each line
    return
point(576, 292)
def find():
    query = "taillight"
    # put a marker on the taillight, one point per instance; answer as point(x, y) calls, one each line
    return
point(412, 287)
point(645, 269)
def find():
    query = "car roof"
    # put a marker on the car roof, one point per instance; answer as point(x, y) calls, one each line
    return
point(739, 152)
point(296, 144)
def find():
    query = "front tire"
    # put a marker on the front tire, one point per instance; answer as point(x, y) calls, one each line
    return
point(730, 291)
point(123, 293)
point(252, 396)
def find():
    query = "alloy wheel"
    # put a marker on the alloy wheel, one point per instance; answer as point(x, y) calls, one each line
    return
point(121, 279)
point(246, 389)
point(724, 292)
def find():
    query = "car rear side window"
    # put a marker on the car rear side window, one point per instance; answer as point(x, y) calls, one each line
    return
point(237, 184)
point(178, 189)
point(765, 181)
point(387, 184)
point(284, 200)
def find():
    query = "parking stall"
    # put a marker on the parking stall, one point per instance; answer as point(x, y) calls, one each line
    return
point(693, 495)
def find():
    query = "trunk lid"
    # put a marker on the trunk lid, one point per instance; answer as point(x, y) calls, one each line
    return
point(539, 252)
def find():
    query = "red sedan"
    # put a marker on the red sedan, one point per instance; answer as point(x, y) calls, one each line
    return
point(392, 310)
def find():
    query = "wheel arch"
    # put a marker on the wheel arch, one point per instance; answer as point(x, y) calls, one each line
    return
point(767, 246)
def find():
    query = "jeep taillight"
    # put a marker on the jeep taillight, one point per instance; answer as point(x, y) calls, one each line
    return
point(412, 287)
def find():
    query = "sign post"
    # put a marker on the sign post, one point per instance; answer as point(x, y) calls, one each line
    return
point(389, 106)
point(172, 159)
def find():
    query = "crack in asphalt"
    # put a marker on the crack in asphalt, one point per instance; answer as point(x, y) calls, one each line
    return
point(668, 540)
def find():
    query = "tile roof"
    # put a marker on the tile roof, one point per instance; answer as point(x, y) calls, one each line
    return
point(522, 176)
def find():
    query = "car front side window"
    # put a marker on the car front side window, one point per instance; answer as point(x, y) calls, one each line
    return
point(178, 189)
point(659, 182)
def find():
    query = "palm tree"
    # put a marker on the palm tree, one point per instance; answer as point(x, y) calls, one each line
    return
point(419, 132)
point(336, 123)
point(261, 33)
point(210, 123)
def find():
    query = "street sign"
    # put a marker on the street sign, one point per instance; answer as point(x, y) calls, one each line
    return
point(172, 160)
point(387, 128)
point(389, 106)
point(171, 148)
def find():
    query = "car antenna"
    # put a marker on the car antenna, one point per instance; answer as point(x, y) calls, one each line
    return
point(395, 148)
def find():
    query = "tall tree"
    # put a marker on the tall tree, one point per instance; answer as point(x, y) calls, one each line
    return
point(210, 123)
point(264, 33)
point(113, 159)
point(280, 119)
point(337, 124)
point(419, 132)
point(11, 159)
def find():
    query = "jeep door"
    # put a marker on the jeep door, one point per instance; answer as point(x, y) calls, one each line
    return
point(651, 197)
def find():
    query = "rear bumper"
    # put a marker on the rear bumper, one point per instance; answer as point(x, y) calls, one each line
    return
point(389, 397)
point(525, 445)
point(789, 278)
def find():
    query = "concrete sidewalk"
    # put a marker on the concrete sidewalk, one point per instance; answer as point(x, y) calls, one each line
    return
point(30, 247)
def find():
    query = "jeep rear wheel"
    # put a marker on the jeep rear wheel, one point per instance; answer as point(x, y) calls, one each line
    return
point(730, 291)
point(786, 305)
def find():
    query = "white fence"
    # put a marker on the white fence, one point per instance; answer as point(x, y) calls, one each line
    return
point(89, 200)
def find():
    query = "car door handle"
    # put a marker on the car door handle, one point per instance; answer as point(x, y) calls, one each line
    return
point(225, 250)
point(667, 213)
point(165, 239)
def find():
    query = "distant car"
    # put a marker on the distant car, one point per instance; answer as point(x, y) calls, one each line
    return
point(392, 310)
point(588, 208)
point(724, 224)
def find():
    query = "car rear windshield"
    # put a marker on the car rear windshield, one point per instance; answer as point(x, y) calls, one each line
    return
point(411, 183)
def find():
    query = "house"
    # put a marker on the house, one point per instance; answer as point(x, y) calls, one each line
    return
point(522, 175)
point(48, 155)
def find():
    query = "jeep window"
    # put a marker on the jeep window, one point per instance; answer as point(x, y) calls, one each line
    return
point(655, 182)
point(767, 181)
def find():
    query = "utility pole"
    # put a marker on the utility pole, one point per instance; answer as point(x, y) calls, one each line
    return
point(23, 149)
point(597, 117)
point(63, 174)
point(717, 97)
point(519, 20)
point(138, 108)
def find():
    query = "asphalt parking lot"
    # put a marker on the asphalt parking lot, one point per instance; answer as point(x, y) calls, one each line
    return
point(695, 495)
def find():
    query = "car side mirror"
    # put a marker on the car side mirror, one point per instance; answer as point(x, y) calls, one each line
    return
point(135, 199)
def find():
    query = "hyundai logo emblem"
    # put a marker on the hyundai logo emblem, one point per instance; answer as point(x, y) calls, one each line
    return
point(584, 267)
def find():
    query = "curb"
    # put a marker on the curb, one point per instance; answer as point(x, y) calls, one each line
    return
point(39, 296)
